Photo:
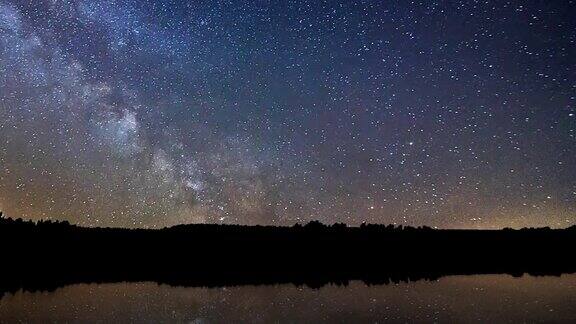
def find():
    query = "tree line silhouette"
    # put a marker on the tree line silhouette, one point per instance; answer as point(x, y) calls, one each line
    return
point(47, 254)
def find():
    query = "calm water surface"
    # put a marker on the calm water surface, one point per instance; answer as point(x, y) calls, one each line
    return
point(458, 299)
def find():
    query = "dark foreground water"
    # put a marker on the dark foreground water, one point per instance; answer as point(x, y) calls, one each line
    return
point(482, 298)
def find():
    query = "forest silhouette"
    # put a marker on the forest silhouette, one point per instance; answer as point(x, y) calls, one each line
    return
point(45, 255)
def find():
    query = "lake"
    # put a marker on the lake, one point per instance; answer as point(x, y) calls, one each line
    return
point(462, 299)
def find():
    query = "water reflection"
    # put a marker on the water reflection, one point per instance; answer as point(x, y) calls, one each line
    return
point(483, 298)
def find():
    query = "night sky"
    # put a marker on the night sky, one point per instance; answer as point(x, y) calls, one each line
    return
point(153, 113)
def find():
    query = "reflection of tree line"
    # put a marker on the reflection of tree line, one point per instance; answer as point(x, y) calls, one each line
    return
point(48, 254)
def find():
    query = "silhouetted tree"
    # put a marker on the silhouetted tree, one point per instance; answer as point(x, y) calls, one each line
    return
point(339, 226)
point(314, 225)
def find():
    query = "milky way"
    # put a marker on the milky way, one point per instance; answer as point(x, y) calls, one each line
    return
point(154, 113)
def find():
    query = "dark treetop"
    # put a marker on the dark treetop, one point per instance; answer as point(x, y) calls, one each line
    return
point(47, 254)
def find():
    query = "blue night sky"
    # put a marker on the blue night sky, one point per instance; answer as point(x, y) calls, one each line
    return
point(154, 113)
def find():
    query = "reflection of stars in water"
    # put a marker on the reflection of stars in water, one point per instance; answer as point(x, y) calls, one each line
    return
point(155, 113)
point(460, 299)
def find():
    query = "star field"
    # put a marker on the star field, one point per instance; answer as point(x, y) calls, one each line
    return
point(154, 113)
